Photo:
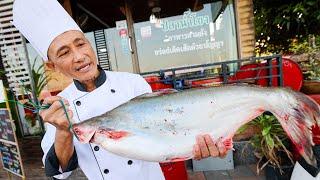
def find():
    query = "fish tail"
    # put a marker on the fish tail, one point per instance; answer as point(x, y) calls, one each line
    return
point(297, 114)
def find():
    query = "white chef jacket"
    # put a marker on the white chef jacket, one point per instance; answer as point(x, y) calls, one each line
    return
point(94, 161)
point(299, 173)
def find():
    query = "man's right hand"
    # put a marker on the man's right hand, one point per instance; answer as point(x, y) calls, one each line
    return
point(55, 114)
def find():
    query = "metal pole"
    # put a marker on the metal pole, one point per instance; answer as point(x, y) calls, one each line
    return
point(33, 86)
point(224, 73)
point(270, 76)
point(132, 38)
point(280, 70)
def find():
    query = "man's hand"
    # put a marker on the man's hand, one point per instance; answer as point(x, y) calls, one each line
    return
point(205, 147)
point(55, 115)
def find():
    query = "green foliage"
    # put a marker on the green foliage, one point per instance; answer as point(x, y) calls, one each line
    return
point(306, 46)
point(40, 80)
point(312, 67)
point(2, 72)
point(271, 141)
point(300, 48)
point(278, 23)
point(311, 52)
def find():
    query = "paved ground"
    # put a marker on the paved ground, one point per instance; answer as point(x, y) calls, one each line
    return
point(34, 170)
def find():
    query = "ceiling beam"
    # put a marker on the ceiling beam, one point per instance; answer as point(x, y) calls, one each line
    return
point(93, 15)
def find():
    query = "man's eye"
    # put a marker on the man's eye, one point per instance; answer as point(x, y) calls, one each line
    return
point(81, 44)
point(63, 53)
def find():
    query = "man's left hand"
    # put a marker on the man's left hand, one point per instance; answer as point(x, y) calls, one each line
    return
point(205, 147)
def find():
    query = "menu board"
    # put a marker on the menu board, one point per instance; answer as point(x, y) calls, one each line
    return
point(10, 158)
point(6, 129)
point(10, 155)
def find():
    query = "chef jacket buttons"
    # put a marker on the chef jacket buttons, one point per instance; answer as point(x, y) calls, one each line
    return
point(130, 162)
point(96, 148)
point(106, 171)
point(78, 103)
point(113, 91)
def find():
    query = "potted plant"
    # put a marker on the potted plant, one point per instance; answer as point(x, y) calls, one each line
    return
point(311, 83)
point(271, 147)
point(307, 55)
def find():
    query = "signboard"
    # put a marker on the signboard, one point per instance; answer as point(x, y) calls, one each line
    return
point(6, 129)
point(121, 24)
point(9, 149)
point(11, 158)
point(2, 96)
point(146, 31)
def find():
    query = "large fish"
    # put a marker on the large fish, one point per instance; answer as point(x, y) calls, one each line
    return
point(164, 128)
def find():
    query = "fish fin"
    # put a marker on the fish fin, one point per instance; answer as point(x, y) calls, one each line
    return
point(297, 121)
point(158, 93)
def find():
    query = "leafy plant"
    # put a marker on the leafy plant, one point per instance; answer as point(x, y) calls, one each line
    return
point(40, 79)
point(279, 23)
point(312, 66)
point(270, 142)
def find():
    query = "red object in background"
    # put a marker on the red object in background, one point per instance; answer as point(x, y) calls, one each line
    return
point(156, 84)
point(246, 72)
point(203, 82)
point(172, 170)
point(292, 74)
point(123, 33)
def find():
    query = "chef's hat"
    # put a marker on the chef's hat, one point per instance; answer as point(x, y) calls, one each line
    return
point(40, 21)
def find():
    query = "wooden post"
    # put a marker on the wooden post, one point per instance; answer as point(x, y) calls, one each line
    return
point(67, 6)
point(9, 175)
point(132, 38)
point(245, 28)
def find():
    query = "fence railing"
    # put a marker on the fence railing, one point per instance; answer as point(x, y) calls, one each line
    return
point(265, 71)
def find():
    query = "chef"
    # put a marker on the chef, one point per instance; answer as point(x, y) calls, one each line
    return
point(303, 170)
point(62, 44)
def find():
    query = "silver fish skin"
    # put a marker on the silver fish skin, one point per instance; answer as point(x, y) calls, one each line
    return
point(164, 128)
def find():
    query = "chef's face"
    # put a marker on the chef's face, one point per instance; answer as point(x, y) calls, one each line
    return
point(71, 54)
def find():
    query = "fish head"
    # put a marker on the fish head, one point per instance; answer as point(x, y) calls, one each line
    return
point(84, 132)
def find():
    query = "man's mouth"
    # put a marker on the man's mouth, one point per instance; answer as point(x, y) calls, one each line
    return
point(84, 68)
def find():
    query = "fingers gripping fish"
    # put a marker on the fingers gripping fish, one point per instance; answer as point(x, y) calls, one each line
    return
point(164, 128)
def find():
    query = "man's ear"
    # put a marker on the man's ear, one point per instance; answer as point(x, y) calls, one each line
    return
point(50, 65)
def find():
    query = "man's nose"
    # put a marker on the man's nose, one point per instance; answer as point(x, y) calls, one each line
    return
point(78, 55)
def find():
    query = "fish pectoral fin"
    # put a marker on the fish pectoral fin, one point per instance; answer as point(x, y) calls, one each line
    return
point(86, 138)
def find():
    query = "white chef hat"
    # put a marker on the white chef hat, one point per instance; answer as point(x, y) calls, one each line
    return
point(40, 21)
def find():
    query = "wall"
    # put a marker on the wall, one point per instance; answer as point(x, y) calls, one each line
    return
point(245, 23)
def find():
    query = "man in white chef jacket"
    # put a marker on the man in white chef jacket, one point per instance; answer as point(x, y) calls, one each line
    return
point(61, 43)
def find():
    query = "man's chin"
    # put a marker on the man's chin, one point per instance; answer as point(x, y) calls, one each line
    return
point(86, 77)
